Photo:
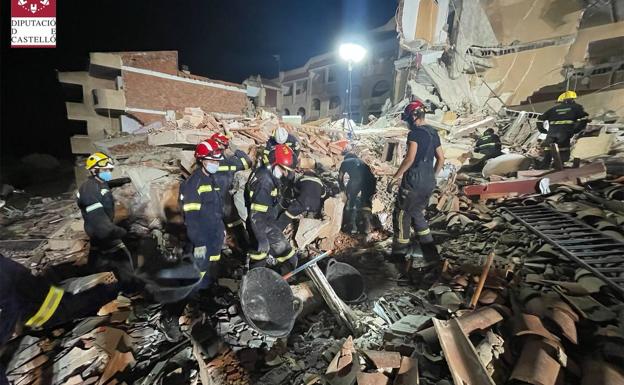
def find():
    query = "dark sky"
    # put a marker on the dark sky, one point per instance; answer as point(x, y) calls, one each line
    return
point(220, 39)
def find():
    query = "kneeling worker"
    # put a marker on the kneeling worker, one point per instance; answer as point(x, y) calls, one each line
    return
point(309, 192)
point(263, 197)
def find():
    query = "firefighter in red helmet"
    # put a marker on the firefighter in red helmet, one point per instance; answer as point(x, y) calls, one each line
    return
point(262, 197)
point(202, 206)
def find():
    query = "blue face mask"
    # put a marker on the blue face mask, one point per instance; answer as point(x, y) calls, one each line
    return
point(211, 167)
point(105, 175)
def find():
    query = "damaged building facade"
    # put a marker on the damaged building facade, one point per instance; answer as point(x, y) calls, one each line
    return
point(123, 91)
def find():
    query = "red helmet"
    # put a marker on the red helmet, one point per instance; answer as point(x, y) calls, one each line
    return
point(411, 107)
point(221, 139)
point(284, 156)
point(208, 149)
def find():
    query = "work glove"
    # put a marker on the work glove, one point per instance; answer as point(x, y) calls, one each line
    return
point(392, 185)
point(199, 252)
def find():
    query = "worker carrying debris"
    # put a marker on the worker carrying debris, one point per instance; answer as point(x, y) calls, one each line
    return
point(417, 173)
point(34, 302)
point(97, 205)
point(202, 206)
point(263, 197)
point(230, 164)
point(360, 187)
point(309, 191)
point(565, 120)
point(489, 144)
point(281, 136)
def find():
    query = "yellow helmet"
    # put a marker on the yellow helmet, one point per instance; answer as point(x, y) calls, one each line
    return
point(98, 160)
point(566, 95)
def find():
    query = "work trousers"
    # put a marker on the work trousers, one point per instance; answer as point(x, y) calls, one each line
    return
point(113, 255)
point(414, 193)
point(279, 248)
point(209, 265)
point(562, 139)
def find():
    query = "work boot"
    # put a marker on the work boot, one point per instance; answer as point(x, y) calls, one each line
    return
point(366, 223)
point(430, 253)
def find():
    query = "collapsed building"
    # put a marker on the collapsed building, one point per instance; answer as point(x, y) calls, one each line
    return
point(532, 282)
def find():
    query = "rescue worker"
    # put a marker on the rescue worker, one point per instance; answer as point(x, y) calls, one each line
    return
point(225, 177)
point(34, 302)
point(489, 144)
point(281, 136)
point(565, 120)
point(263, 197)
point(97, 205)
point(202, 206)
point(309, 191)
point(360, 188)
point(417, 173)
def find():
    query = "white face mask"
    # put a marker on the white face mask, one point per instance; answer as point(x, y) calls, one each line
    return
point(211, 167)
point(277, 172)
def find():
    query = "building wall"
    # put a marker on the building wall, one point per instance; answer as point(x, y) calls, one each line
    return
point(156, 93)
point(161, 61)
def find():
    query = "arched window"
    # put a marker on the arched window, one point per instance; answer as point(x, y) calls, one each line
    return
point(316, 104)
point(301, 111)
point(380, 88)
point(334, 102)
point(286, 111)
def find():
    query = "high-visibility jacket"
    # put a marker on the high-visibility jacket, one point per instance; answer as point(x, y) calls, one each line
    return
point(97, 206)
point(262, 198)
point(564, 119)
point(227, 167)
point(488, 144)
point(309, 190)
point(202, 206)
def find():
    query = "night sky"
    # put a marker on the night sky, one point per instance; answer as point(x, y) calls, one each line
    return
point(220, 39)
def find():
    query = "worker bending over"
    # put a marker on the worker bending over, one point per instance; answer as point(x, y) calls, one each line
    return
point(565, 120)
point(309, 192)
point(263, 197)
point(231, 164)
point(107, 250)
point(356, 179)
point(281, 136)
point(417, 173)
point(489, 144)
point(202, 206)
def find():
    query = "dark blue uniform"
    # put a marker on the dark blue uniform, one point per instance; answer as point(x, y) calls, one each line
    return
point(309, 191)
point(564, 121)
point(262, 198)
point(107, 251)
point(202, 205)
point(291, 142)
point(416, 187)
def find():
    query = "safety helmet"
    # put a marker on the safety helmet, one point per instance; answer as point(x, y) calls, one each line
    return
point(280, 135)
point(410, 108)
point(284, 156)
point(99, 160)
point(221, 139)
point(566, 95)
point(208, 150)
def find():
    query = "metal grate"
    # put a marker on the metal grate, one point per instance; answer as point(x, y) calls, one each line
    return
point(592, 249)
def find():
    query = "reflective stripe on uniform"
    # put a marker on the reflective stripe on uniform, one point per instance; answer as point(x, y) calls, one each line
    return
point(274, 192)
point(286, 257)
point(245, 164)
point(487, 145)
point(311, 179)
point(265, 159)
point(214, 258)
point(223, 168)
point(191, 207)
point(104, 191)
point(235, 223)
point(562, 122)
point(94, 206)
point(257, 256)
point(48, 307)
point(424, 232)
point(289, 215)
point(403, 241)
point(77, 195)
point(259, 207)
point(366, 209)
point(204, 188)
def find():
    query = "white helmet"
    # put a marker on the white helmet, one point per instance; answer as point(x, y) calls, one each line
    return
point(280, 135)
